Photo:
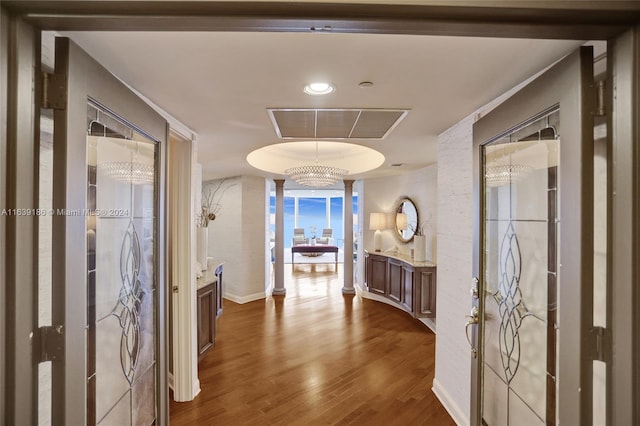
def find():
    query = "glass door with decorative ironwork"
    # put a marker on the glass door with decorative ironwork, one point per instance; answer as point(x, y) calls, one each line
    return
point(108, 284)
point(532, 314)
point(121, 254)
point(520, 267)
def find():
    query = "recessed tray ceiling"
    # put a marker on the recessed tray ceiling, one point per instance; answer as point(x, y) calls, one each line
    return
point(291, 123)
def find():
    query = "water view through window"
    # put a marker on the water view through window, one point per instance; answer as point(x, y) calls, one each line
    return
point(313, 214)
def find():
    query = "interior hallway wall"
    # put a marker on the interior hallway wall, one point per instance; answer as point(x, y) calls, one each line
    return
point(382, 194)
point(455, 261)
point(236, 238)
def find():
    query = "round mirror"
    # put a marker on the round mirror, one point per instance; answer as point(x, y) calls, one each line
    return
point(406, 220)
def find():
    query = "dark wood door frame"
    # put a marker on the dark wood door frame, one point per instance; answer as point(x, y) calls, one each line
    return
point(585, 21)
point(597, 20)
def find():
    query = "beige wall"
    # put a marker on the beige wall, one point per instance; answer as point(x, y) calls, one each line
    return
point(382, 194)
point(455, 261)
point(237, 238)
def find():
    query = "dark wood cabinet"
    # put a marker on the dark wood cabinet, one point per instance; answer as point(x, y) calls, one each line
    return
point(407, 287)
point(207, 311)
point(376, 274)
point(410, 285)
point(209, 304)
point(395, 280)
point(426, 280)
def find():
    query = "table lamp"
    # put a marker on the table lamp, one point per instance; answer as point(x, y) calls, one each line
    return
point(377, 221)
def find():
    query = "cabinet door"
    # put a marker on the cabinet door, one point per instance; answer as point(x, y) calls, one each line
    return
point(407, 287)
point(378, 275)
point(427, 282)
point(206, 319)
point(395, 280)
point(368, 269)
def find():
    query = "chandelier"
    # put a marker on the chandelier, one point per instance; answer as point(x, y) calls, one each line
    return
point(316, 175)
point(505, 174)
point(133, 172)
point(295, 160)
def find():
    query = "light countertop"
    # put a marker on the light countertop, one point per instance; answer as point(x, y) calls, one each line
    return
point(208, 277)
point(403, 257)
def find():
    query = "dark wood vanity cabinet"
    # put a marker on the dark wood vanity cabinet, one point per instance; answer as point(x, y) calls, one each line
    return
point(412, 286)
point(426, 303)
point(395, 282)
point(209, 304)
point(407, 287)
point(376, 274)
point(207, 312)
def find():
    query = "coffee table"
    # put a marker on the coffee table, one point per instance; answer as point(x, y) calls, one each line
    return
point(318, 249)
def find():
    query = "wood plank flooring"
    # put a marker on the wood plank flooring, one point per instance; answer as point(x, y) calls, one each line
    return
point(316, 357)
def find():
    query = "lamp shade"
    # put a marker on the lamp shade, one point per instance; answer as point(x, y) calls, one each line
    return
point(401, 221)
point(377, 221)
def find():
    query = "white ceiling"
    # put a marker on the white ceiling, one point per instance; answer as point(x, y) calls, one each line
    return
point(221, 84)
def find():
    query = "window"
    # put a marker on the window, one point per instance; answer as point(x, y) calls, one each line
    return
point(313, 213)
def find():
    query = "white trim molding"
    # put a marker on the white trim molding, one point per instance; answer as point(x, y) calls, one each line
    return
point(245, 299)
point(366, 294)
point(183, 274)
point(449, 404)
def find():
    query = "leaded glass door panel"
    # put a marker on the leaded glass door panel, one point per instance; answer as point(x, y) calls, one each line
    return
point(520, 267)
point(121, 253)
point(533, 260)
point(109, 287)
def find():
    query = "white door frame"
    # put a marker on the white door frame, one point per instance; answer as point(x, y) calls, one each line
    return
point(182, 282)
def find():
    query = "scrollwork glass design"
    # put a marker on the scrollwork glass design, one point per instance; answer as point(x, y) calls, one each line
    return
point(129, 305)
point(511, 306)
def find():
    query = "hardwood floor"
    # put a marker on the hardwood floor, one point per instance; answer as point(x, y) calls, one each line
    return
point(316, 356)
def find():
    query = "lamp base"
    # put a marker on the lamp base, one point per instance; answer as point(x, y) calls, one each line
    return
point(377, 240)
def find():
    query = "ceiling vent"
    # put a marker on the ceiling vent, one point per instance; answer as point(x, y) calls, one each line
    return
point(335, 123)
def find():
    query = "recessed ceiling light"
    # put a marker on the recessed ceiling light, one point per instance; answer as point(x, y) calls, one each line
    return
point(365, 84)
point(319, 88)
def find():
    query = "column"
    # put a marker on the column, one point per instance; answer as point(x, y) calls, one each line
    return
point(348, 238)
point(278, 288)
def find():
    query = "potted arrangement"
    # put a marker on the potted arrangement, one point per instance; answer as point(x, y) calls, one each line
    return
point(209, 208)
point(422, 242)
point(419, 244)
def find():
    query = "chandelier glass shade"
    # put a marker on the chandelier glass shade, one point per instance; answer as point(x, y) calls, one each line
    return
point(316, 175)
point(315, 163)
point(133, 172)
point(506, 174)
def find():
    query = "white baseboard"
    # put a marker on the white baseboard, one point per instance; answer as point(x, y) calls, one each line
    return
point(269, 288)
point(194, 392)
point(452, 408)
point(196, 388)
point(245, 299)
point(429, 322)
point(368, 295)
